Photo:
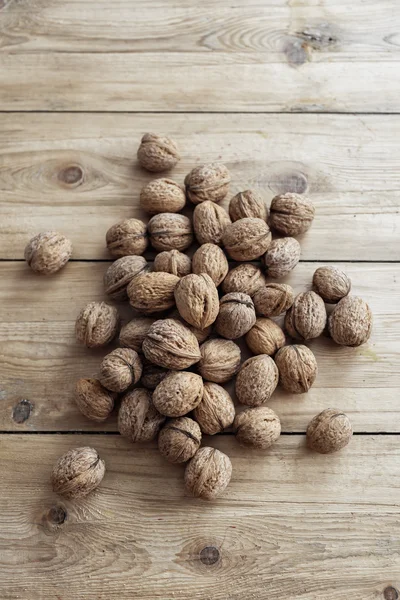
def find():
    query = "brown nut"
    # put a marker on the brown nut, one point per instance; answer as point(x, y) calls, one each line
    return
point(138, 419)
point(48, 252)
point(297, 368)
point(170, 344)
point(306, 319)
point(197, 300)
point(127, 237)
point(207, 182)
point(245, 278)
point(273, 299)
point(157, 153)
point(236, 315)
point(77, 473)
point(329, 431)
point(220, 360)
point(291, 214)
point(119, 275)
point(208, 474)
point(265, 337)
point(97, 324)
point(173, 261)
point(200, 334)
point(210, 259)
point(93, 400)
point(170, 231)
point(120, 369)
point(178, 393)
point(331, 284)
point(247, 239)
point(133, 333)
point(152, 375)
point(179, 440)
point(281, 257)
point(256, 381)
point(152, 292)
point(209, 222)
point(350, 323)
point(257, 427)
point(248, 204)
point(162, 196)
point(216, 410)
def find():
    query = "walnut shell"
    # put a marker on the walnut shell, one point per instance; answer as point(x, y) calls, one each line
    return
point(170, 344)
point(120, 369)
point(331, 284)
point(93, 400)
point(126, 238)
point(256, 381)
point(220, 360)
point(257, 427)
point(173, 261)
point(208, 473)
point(297, 368)
point(265, 337)
point(291, 214)
point(152, 375)
point(161, 196)
point(119, 275)
point(157, 153)
point(210, 259)
point(152, 292)
point(350, 323)
point(48, 252)
point(209, 222)
point(200, 334)
point(273, 299)
point(77, 473)
point(248, 204)
point(216, 410)
point(207, 182)
point(329, 431)
point(170, 231)
point(97, 324)
point(197, 300)
point(138, 419)
point(179, 440)
point(178, 393)
point(246, 278)
point(247, 239)
point(133, 333)
point(282, 256)
point(306, 319)
point(236, 315)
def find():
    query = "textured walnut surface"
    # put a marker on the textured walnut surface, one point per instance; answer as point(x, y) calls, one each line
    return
point(170, 231)
point(138, 419)
point(48, 252)
point(220, 360)
point(265, 337)
point(329, 431)
point(178, 393)
point(291, 214)
point(127, 237)
point(161, 196)
point(247, 239)
point(297, 368)
point(197, 300)
point(216, 410)
point(120, 273)
point(246, 278)
point(97, 324)
point(211, 259)
point(236, 315)
point(256, 380)
point(281, 257)
point(157, 153)
point(248, 204)
point(77, 473)
point(208, 473)
point(306, 319)
point(170, 344)
point(209, 222)
point(207, 182)
point(258, 427)
point(133, 333)
point(331, 283)
point(350, 323)
point(173, 261)
point(179, 439)
point(273, 299)
point(120, 369)
point(152, 292)
point(93, 400)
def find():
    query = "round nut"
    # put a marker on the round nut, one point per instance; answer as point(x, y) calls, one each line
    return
point(48, 252)
point(200, 334)
point(210, 259)
point(248, 204)
point(179, 440)
point(152, 375)
point(173, 261)
point(297, 368)
point(170, 344)
point(170, 231)
point(178, 393)
point(265, 337)
point(245, 278)
point(157, 153)
point(207, 182)
point(97, 324)
point(93, 400)
point(133, 333)
point(236, 315)
point(152, 292)
point(282, 256)
point(162, 195)
point(220, 360)
point(329, 431)
point(127, 237)
point(247, 239)
point(197, 300)
point(208, 474)
point(350, 323)
point(216, 410)
point(256, 381)
point(257, 427)
point(331, 284)
point(291, 214)
point(119, 275)
point(209, 222)
point(306, 319)
point(77, 473)
point(273, 299)
point(120, 369)
point(138, 419)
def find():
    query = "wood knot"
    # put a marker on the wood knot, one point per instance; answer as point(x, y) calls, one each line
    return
point(390, 593)
point(296, 52)
point(209, 555)
point(57, 515)
point(71, 176)
point(22, 411)
point(294, 182)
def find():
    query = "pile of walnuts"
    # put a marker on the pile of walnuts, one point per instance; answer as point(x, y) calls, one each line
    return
point(181, 345)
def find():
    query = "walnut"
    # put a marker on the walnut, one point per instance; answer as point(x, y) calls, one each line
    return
point(247, 239)
point(173, 261)
point(152, 292)
point(220, 360)
point(93, 400)
point(281, 257)
point(152, 375)
point(120, 369)
point(179, 440)
point(162, 196)
point(331, 284)
point(329, 431)
point(245, 278)
point(138, 419)
point(97, 324)
point(207, 182)
point(48, 252)
point(297, 368)
point(170, 231)
point(210, 259)
point(291, 214)
point(209, 222)
point(200, 334)
point(248, 204)
point(273, 299)
point(236, 315)
point(178, 393)
point(119, 275)
point(197, 300)
point(306, 319)
point(208, 473)
point(77, 473)
point(170, 344)
point(216, 410)
point(127, 237)
point(350, 323)
point(157, 153)
point(257, 427)
point(265, 337)
point(133, 333)
point(256, 380)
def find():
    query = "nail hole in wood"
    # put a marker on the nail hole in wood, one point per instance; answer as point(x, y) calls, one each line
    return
point(22, 411)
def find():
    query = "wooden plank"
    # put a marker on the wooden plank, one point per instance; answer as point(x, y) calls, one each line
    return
point(348, 164)
point(271, 536)
point(40, 359)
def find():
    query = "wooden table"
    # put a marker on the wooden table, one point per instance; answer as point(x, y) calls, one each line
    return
point(292, 95)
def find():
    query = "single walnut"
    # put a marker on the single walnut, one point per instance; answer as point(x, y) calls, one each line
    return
point(281, 257)
point(329, 431)
point(265, 337)
point(138, 419)
point(350, 323)
point(127, 237)
point(173, 261)
point(245, 278)
point(152, 292)
point(77, 473)
point(257, 427)
point(256, 380)
point(236, 315)
point(248, 204)
point(93, 400)
point(152, 375)
point(179, 440)
point(247, 239)
point(169, 231)
point(220, 360)
point(216, 410)
point(133, 333)
point(306, 319)
point(297, 368)
point(178, 393)
point(197, 300)
point(208, 473)
point(97, 324)
point(207, 182)
point(162, 195)
point(331, 284)
point(210, 259)
point(170, 344)
point(119, 275)
point(48, 252)
point(291, 214)
point(209, 222)
point(157, 153)
point(273, 299)
point(120, 369)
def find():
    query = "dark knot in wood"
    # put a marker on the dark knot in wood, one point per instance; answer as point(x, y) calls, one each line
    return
point(22, 411)
point(390, 593)
point(57, 515)
point(209, 555)
point(71, 175)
